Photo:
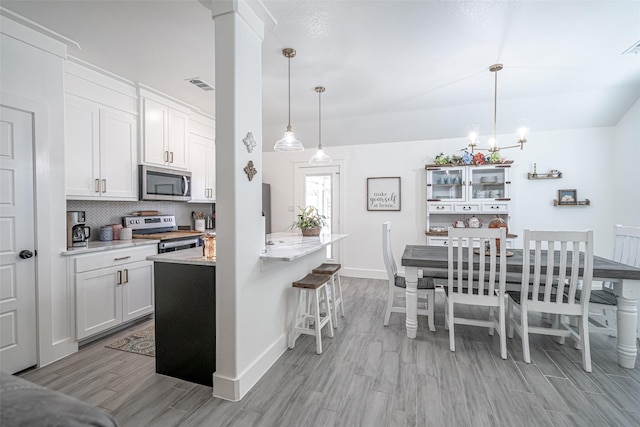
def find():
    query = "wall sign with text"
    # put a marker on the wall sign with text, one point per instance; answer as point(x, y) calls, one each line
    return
point(383, 194)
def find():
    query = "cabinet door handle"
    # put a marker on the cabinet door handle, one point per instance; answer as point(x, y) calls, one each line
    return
point(104, 185)
point(97, 186)
point(439, 207)
point(119, 277)
point(466, 208)
point(122, 258)
point(166, 156)
point(126, 276)
point(171, 154)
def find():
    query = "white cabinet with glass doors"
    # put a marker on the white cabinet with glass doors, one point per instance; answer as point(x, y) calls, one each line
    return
point(459, 193)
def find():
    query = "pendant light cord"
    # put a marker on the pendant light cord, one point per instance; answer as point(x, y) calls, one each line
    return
point(319, 119)
point(289, 77)
point(495, 106)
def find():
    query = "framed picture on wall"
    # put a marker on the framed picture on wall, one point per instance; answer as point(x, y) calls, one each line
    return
point(383, 194)
point(567, 197)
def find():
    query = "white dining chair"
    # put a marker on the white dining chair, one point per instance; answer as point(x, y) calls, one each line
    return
point(553, 291)
point(397, 286)
point(603, 302)
point(477, 276)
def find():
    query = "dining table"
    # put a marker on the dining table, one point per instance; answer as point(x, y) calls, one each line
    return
point(625, 279)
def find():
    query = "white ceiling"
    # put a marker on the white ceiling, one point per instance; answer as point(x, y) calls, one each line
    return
point(394, 70)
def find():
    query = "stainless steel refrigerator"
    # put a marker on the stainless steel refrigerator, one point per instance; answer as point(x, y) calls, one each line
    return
point(266, 207)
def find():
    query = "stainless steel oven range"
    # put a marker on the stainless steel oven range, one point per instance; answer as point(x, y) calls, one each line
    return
point(163, 228)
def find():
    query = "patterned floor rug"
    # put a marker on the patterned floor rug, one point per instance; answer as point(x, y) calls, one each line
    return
point(141, 342)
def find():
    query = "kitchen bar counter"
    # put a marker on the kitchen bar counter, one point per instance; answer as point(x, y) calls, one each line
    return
point(191, 256)
point(98, 246)
point(291, 246)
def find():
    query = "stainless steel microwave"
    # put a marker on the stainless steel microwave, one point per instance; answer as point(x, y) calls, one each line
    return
point(163, 184)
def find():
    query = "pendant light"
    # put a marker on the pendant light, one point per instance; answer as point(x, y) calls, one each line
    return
point(320, 158)
point(493, 141)
point(289, 141)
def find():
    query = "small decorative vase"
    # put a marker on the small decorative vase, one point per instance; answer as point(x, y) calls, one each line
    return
point(106, 233)
point(312, 231)
point(498, 222)
point(474, 222)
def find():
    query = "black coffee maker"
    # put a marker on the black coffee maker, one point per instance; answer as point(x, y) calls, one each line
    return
point(77, 232)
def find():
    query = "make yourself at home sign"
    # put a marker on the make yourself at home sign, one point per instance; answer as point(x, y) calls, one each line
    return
point(383, 194)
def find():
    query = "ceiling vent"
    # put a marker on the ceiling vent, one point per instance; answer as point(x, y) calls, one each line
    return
point(635, 48)
point(197, 81)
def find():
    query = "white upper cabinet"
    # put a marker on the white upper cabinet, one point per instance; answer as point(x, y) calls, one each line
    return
point(202, 164)
point(118, 162)
point(202, 158)
point(100, 151)
point(165, 129)
point(101, 128)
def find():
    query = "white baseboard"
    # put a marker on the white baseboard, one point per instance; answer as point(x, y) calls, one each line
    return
point(235, 389)
point(364, 273)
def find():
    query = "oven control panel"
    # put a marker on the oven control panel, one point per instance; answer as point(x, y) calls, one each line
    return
point(150, 223)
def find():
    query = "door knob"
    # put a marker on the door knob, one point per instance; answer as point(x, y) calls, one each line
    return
point(26, 254)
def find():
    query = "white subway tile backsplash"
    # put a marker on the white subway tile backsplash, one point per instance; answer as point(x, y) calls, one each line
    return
point(101, 213)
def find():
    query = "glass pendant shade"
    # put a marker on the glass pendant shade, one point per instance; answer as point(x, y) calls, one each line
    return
point(289, 142)
point(320, 158)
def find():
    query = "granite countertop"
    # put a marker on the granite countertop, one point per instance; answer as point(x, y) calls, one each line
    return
point(291, 246)
point(191, 256)
point(98, 246)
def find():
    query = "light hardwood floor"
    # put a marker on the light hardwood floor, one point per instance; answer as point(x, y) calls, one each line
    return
point(370, 375)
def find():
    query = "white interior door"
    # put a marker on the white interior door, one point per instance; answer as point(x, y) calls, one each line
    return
point(319, 186)
point(17, 240)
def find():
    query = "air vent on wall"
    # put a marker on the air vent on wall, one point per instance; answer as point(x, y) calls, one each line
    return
point(635, 48)
point(197, 81)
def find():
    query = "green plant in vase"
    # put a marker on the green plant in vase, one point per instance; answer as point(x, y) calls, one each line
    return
point(441, 159)
point(310, 221)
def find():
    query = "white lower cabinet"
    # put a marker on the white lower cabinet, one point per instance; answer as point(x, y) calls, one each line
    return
point(112, 287)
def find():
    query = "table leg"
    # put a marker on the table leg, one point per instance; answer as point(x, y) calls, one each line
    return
point(411, 280)
point(627, 322)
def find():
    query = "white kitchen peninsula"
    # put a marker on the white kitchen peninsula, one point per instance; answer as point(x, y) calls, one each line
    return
point(189, 297)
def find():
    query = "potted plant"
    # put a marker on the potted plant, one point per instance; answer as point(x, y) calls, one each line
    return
point(310, 221)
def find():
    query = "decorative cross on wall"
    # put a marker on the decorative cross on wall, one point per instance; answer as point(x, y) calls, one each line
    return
point(250, 170)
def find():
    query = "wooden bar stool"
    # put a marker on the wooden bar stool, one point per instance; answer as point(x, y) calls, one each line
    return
point(336, 293)
point(310, 321)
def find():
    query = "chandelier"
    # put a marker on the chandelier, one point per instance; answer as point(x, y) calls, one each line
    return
point(493, 141)
point(289, 141)
point(320, 158)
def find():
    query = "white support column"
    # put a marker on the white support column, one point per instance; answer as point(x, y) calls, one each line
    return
point(238, 90)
